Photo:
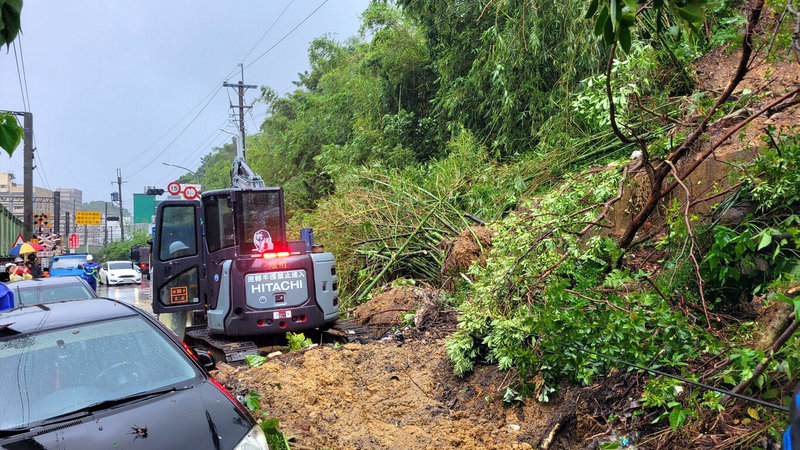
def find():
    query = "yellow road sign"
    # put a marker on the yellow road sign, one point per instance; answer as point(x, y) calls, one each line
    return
point(87, 218)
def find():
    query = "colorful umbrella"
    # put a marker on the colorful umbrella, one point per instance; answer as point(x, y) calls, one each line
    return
point(25, 247)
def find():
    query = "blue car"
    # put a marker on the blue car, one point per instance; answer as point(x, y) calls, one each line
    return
point(66, 265)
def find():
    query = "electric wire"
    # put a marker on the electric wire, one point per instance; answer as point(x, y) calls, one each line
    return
point(179, 134)
point(19, 77)
point(286, 35)
point(27, 101)
point(664, 374)
point(268, 30)
point(171, 175)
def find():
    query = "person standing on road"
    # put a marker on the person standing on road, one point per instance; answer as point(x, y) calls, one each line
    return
point(33, 266)
point(90, 271)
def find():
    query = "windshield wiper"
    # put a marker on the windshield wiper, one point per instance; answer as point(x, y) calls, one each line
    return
point(13, 431)
point(106, 404)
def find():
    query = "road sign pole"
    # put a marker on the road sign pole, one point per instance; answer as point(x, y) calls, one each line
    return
point(86, 236)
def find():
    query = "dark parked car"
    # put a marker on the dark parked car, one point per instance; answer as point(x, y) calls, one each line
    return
point(100, 373)
point(45, 290)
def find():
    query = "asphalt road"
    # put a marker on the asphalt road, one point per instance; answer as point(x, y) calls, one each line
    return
point(138, 294)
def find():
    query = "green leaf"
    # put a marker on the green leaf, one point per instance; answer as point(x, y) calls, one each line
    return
point(255, 360)
point(691, 13)
point(10, 133)
point(9, 20)
point(608, 32)
point(601, 21)
point(766, 239)
point(592, 9)
point(614, 11)
point(625, 38)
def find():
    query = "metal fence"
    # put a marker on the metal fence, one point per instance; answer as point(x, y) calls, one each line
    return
point(10, 228)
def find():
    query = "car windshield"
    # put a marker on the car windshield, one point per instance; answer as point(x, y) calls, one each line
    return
point(120, 265)
point(44, 294)
point(56, 372)
point(67, 263)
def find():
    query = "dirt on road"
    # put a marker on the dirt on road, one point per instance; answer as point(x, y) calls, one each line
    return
point(392, 393)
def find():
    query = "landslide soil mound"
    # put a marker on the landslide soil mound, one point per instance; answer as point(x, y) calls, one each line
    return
point(395, 395)
point(471, 245)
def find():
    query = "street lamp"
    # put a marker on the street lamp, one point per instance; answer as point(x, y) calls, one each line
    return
point(181, 167)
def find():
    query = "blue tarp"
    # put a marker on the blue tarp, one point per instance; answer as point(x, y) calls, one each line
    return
point(6, 297)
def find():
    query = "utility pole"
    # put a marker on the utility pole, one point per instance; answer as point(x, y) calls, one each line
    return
point(27, 165)
point(241, 106)
point(57, 211)
point(66, 233)
point(105, 232)
point(121, 222)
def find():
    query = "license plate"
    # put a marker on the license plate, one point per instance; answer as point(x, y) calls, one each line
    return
point(282, 315)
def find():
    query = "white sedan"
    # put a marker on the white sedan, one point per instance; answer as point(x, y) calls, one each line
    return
point(119, 272)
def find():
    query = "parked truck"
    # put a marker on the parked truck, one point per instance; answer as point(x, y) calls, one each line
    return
point(140, 255)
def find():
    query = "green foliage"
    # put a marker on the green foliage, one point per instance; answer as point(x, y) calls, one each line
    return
point(774, 177)
point(275, 438)
point(505, 69)
point(615, 19)
point(10, 11)
point(375, 209)
point(121, 250)
point(764, 248)
point(542, 287)
point(297, 341)
point(255, 360)
point(10, 133)
point(629, 77)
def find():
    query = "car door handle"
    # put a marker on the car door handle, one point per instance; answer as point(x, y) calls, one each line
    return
point(168, 270)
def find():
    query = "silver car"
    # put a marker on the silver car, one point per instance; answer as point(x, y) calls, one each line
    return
point(46, 290)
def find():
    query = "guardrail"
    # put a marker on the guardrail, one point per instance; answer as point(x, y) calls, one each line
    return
point(10, 228)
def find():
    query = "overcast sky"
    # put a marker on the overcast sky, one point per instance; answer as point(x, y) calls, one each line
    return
point(111, 84)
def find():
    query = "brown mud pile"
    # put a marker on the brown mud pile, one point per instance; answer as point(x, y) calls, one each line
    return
point(471, 245)
point(393, 394)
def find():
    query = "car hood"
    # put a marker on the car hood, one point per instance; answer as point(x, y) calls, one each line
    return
point(121, 272)
point(199, 417)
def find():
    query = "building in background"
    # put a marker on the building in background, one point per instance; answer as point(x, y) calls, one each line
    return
point(12, 197)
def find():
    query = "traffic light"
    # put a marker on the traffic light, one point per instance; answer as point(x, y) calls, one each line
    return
point(112, 219)
point(152, 191)
point(115, 196)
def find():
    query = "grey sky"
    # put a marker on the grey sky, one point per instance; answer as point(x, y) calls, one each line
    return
point(108, 80)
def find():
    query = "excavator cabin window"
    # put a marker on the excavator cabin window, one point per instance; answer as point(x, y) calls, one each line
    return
point(219, 222)
point(262, 221)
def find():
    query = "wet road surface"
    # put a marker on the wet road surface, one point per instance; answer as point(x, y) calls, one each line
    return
point(138, 294)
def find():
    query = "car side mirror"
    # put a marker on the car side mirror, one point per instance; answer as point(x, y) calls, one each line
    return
point(205, 358)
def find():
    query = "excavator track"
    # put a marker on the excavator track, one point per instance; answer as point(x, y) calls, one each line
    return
point(222, 348)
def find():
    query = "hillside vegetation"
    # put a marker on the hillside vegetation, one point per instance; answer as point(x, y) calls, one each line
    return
point(637, 164)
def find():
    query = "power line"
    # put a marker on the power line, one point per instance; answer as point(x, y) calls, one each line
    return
point(212, 92)
point(286, 35)
point(24, 73)
point(179, 134)
point(19, 76)
point(268, 30)
point(40, 164)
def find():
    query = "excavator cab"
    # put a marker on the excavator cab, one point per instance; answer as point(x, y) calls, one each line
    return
point(228, 254)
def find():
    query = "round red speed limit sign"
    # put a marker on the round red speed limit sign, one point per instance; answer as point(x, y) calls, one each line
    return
point(174, 188)
point(190, 192)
